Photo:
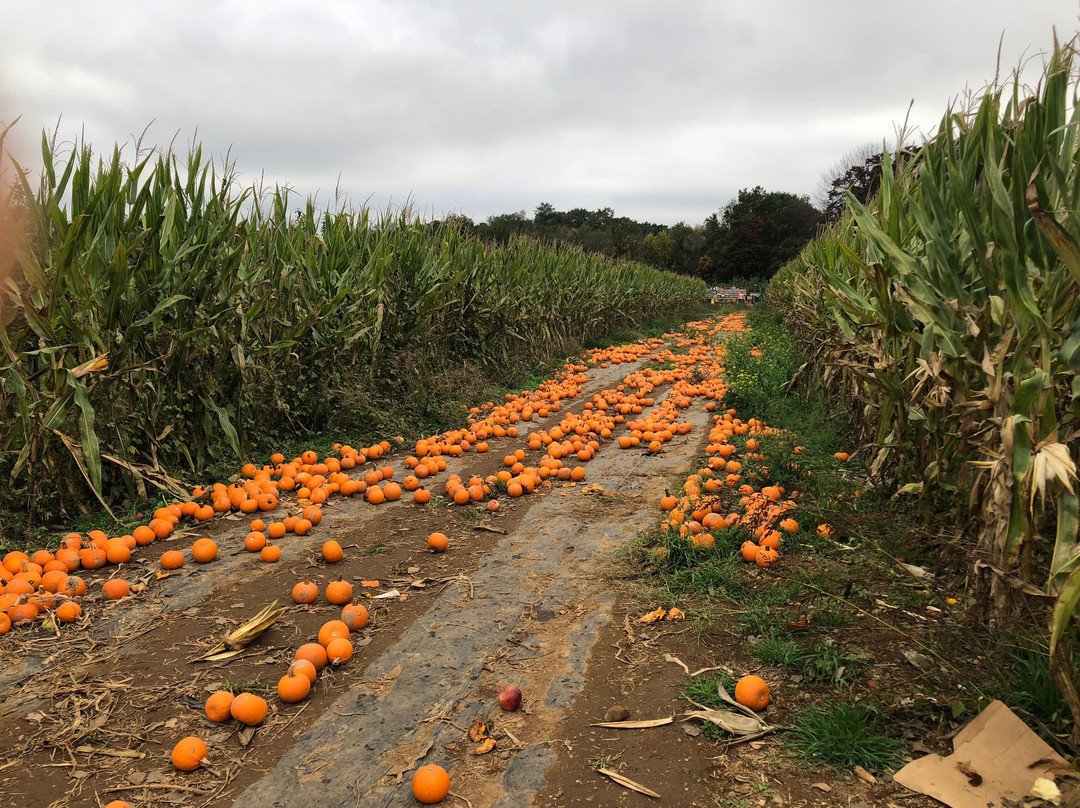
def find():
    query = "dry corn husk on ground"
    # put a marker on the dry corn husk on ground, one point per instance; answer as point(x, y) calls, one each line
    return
point(235, 643)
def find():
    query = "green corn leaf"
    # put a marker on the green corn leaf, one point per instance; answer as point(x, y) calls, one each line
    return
point(1065, 609)
point(1066, 554)
point(225, 419)
point(90, 449)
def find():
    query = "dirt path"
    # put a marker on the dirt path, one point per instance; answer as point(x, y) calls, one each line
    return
point(92, 715)
point(531, 617)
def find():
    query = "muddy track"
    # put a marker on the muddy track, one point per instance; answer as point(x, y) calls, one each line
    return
point(525, 608)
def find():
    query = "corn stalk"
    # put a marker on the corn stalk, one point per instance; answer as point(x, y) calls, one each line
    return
point(157, 317)
point(947, 314)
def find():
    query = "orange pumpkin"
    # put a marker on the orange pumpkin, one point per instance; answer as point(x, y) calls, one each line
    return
point(339, 592)
point(305, 592)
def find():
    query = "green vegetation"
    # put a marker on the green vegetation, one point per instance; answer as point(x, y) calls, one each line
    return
point(378, 548)
point(250, 686)
point(604, 761)
point(843, 735)
point(760, 364)
point(821, 662)
point(943, 315)
point(703, 689)
point(1025, 684)
point(163, 323)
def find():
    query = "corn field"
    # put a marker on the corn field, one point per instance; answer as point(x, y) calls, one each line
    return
point(947, 314)
point(156, 318)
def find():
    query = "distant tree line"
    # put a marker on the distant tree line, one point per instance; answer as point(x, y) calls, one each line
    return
point(749, 238)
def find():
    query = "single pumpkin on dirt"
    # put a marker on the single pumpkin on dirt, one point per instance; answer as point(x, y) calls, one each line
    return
point(188, 754)
point(294, 686)
point(247, 708)
point(218, 706)
point(430, 784)
point(753, 692)
point(305, 592)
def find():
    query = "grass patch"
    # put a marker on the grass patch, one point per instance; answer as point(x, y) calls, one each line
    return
point(1024, 683)
point(824, 662)
point(843, 735)
point(378, 548)
point(251, 686)
point(703, 689)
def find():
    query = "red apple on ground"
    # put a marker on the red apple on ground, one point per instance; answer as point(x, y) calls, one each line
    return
point(510, 698)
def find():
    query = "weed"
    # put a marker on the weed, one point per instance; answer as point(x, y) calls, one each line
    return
point(830, 618)
point(376, 549)
point(1025, 684)
point(763, 789)
point(604, 761)
point(823, 662)
point(732, 802)
point(779, 651)
point(703, 689)
point(251, 686)
point(843, 735)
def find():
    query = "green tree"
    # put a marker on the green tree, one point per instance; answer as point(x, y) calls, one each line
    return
point(757, 233)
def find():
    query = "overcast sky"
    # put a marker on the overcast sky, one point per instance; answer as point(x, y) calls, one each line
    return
point(660, 110)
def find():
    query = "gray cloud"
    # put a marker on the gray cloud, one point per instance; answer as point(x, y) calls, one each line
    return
point(659, 110)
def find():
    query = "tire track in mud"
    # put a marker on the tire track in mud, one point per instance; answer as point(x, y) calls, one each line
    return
point(537, 593)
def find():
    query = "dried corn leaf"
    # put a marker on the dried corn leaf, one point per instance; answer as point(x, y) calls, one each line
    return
point(239, 639)
point(700, 671)
point(726, 697)
point(1051, 463)
point(393, 593)
point(485, 747)
point(626, 782)
point(652, 617)
point(729, 722)
point(655, 722)
point(678, 662)
point(117, 753)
